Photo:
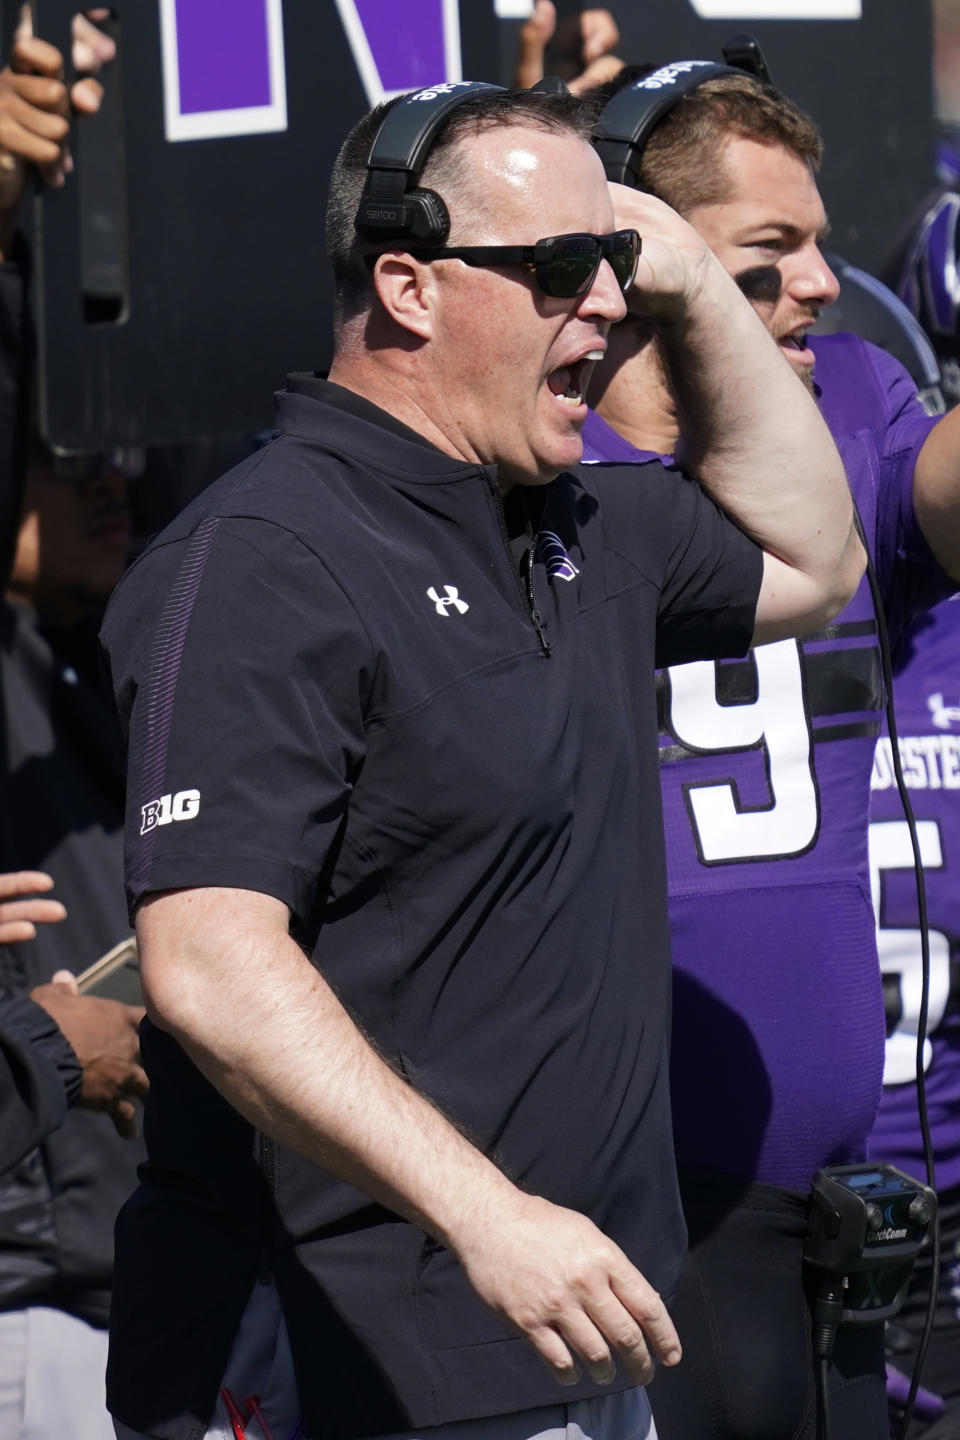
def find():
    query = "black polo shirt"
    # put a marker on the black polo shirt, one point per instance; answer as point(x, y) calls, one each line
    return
point(343, 691)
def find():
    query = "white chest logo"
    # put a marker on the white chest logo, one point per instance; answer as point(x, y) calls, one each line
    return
point(450, 598)
point(943, 716)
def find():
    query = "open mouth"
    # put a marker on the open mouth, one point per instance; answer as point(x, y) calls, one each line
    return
point(569, 382)
point(795, 346)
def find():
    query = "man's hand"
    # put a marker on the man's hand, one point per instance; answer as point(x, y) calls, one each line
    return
point(19, 918)
point(104, 1035)
point(674, 259)
point(568, 1290)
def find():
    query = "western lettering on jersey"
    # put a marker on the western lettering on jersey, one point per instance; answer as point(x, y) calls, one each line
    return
point(929, 762)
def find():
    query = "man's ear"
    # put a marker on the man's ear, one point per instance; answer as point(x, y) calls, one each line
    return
point(405, 289)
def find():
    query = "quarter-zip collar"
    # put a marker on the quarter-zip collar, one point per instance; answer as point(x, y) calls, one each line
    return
point(345, 423)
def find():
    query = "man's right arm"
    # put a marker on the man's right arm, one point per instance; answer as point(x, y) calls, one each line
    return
point(221, 973)
point(750, 432)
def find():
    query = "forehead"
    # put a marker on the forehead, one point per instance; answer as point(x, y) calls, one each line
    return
point(767, 185)
point(528, 183)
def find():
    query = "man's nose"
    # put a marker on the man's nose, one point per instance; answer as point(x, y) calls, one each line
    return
point(810, 279)
point(604, 298)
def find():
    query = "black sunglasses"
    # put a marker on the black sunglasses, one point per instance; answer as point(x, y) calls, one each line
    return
point(565, 265)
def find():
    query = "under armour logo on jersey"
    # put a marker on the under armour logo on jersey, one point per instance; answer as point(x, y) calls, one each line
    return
point(943, 715)
point(554, 556)
point(449, 598)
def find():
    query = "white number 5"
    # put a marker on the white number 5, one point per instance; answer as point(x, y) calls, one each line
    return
point(890, 849)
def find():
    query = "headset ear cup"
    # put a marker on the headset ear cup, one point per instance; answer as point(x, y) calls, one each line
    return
point(429, 218)
point(420, 215)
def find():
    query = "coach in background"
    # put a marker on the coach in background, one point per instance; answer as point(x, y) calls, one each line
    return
point(778, 1024)
point(394, 845)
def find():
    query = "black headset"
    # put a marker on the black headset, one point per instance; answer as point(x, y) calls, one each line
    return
point(631, 115)
point(392, 207)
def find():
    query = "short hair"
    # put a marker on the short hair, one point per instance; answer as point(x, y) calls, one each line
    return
point(680, 162)
point(347, 250)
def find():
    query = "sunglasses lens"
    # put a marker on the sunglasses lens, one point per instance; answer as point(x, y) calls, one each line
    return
point(574, 261)
point(623, 254)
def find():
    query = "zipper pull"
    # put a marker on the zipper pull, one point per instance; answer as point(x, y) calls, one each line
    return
point(535, 616)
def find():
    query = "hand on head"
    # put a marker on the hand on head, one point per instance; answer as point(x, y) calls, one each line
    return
point(673, 257)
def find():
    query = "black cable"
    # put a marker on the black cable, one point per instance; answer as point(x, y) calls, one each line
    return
point(827, 1314)
point(928, 1158)
point(823, 1398)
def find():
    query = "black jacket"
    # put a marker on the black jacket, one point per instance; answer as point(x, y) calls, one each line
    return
point(342, 690)
point(40, 1076)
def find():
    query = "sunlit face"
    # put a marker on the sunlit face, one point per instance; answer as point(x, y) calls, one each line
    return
point(773, 217)
point(518, 361)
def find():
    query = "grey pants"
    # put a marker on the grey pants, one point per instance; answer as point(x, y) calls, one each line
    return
point(51, 1377)
point(260, 1364)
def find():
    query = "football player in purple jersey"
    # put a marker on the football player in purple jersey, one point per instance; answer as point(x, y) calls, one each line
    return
point(927, 692)
point(765, 766)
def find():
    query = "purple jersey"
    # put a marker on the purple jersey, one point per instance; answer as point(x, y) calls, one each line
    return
point(927, 690)
point(765, 766)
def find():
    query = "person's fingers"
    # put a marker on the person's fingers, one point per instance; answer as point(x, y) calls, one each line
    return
point(137, 1083)
point(37, 57)
point(135, 1014)
point(643, 1303)
point(585, 1340)
point(600, 34)
point(551, 1349)
point(48, 125)
point(42, 93)
point(597, 73)
point(92, 48)
point(24, 882)
point(535, 35)
point(12, 932)
point(67, 978)
point(124, 1118)
point(24, 29)
point(542, 22)
point(41, 912)
point(86, 96)
point(623, 1335)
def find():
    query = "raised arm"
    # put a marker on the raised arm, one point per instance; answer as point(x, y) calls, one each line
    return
point(750, 431)
point(304, 1074)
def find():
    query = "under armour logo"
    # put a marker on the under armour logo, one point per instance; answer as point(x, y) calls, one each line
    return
point(449, 598)
point(943, 715)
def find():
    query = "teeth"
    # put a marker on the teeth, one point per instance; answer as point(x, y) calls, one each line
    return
point(571, 397)
point(594, 355)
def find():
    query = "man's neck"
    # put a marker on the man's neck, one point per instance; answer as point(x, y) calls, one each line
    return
point(392, 392)
point(638, 404)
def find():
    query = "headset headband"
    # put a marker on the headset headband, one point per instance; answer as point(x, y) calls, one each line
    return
point(392, 208)
point(631, 115)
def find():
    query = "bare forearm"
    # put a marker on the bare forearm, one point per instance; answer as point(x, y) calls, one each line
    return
point(750, 431)
point(270, 1035)
point(222, 974)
